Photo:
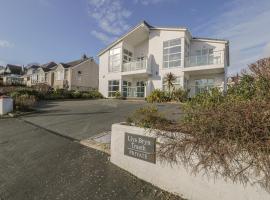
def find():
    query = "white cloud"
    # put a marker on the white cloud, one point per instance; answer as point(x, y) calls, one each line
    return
point(5, 44)
point(148, 2)
point(246, 25)
point(110, 15)
point(102, 36)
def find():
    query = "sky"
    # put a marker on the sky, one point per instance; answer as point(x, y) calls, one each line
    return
point(39, 31)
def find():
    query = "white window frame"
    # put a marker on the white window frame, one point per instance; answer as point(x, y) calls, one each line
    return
point(206, 86)
point(112, 68)
point(111, 92)
point(168, 54)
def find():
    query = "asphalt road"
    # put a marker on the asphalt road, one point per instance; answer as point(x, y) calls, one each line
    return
point(37, 164)
point(83, 119)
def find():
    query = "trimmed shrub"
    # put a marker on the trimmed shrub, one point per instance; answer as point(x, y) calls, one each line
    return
point(147, 117)
point(158, 96)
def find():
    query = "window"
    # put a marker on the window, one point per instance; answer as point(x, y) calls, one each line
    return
point(127, 56)
point(60, 75)
point(79, 75)
point(176, 83)
point(115, 60)
point(203, 85)
point(140, 88)
point(205, 56)
point(66, 74)
point(113, 86)
point(172, 53)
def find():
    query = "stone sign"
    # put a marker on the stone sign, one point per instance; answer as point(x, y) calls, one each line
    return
point(140, 147)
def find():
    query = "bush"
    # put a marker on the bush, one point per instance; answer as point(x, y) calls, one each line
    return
point(117, 95)
point(180, 95)
point(227, 135)
point(76, 94)
point(158, 96)
point(24, 102)
point(146, 117)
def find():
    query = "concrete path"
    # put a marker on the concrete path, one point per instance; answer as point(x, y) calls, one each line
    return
point(38, 164)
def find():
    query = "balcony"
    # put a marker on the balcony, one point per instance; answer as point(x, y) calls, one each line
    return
point(214, 60)
point(136, 67)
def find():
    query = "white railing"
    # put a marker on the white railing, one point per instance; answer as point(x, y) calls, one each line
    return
point(134, 66)
point(216, 58)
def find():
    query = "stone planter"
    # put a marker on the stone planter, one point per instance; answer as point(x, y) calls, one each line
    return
point(172, 178)
point(6, 105)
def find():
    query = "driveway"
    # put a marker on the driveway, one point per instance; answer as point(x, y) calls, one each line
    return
point(36, 164)
point(84, 119)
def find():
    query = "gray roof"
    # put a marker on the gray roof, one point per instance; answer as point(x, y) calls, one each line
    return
point(14, 69)
point(48, 66)
point(75, 62)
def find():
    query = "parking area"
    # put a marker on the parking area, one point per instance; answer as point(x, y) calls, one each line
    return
point(84, 119)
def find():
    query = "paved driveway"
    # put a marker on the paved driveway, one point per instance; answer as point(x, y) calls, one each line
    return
point(35, 165)
point(84, 119)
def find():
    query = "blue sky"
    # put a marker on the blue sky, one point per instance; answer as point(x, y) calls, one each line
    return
point(62, 30)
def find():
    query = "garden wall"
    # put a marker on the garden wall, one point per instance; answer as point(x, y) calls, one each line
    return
point(175, 178)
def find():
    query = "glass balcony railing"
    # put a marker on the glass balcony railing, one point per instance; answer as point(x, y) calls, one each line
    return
point(134, 66)
point(215, 58)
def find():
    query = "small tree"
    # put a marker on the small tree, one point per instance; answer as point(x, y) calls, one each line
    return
point(169, 80)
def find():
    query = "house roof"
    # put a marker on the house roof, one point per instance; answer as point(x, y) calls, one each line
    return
point(143, 23)
point(150, 27)
point(14, 69)
point(75, 62)
point(48, 66)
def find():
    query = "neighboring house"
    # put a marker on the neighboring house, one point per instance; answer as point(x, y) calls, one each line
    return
point(41, 74)
point(138, 62)
point(30, 70)
point(80, 74)
point(12, 75)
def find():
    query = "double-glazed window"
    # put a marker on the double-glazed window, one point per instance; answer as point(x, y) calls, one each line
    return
point(172, 53)
point(176, 83)
point(113, 87)
point(115, 60)
point(203, 85)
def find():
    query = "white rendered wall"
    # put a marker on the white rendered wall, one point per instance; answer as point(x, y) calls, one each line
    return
point(153, 50)
point(176, 179)
point(6, 105)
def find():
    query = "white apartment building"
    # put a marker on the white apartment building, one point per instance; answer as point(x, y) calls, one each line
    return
point(138, 62)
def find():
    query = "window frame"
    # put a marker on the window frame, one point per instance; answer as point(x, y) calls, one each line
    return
point(168, 45)
point(112, 68)
point(111, 91)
